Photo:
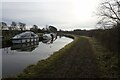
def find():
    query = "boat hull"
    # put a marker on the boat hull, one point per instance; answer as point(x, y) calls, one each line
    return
point(48, 36)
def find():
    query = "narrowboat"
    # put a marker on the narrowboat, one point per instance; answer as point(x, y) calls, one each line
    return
point(25, 37)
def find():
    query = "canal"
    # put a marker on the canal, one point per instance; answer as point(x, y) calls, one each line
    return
point(17, 57)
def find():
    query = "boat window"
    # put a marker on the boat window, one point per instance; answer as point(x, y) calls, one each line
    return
point(32, 35)
point(22, 36)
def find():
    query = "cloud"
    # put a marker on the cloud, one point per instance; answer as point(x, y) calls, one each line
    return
point(56, 12)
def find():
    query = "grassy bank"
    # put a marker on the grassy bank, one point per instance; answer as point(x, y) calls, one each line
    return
point(106, 60)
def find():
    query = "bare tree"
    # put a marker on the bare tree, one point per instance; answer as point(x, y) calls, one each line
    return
point(22, 26)
point(105, 24)
point(14, 26)
point(3, 25)
point(110, 12)
point(35, 27)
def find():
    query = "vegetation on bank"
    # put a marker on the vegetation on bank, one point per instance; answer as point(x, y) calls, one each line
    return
point(107, 60)
point(7, 36)
point(109, 38)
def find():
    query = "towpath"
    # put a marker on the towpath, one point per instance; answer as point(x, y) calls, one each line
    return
point(78, 62)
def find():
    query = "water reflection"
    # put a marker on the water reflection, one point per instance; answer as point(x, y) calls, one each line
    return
point(28, 47)
point(47, 41)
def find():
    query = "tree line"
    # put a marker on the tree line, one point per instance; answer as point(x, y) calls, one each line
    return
point(22, 27)
point(13, 26)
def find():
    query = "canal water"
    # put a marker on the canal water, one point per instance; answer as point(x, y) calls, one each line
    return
point(17, 57)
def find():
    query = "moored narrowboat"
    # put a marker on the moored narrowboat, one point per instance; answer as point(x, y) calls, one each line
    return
point(25, 37)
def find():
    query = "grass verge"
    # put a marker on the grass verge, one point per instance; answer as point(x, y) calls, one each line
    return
point(107, 61)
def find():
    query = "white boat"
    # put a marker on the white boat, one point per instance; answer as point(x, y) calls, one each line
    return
point(49, 36)
point(25, 37)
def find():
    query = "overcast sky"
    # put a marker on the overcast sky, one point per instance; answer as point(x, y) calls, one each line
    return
point(64, 14)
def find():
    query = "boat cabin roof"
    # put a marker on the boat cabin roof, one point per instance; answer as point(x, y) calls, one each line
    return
point(26, 34)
